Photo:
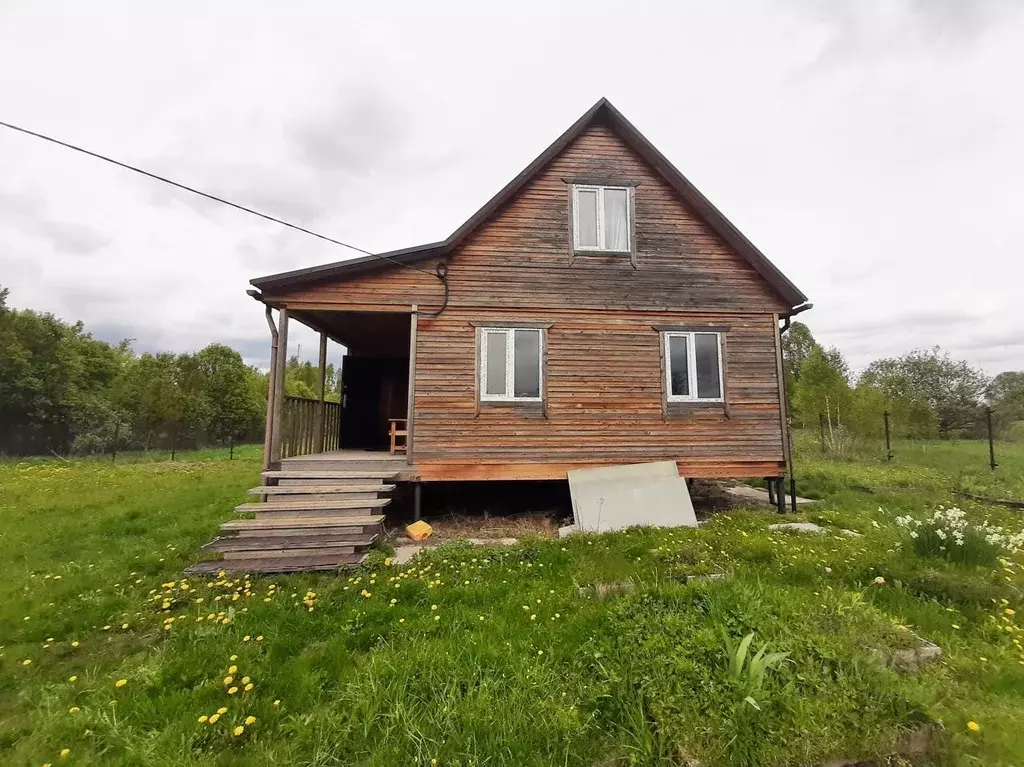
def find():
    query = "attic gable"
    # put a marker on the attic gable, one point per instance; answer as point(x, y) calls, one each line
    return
point(602, 114)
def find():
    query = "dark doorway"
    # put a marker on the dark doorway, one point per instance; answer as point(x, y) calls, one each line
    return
point(374, 390)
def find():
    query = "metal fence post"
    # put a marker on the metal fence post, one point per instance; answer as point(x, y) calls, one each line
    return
point(174, 434)
point(991, 445)
point(888, 441)
point(231, 448)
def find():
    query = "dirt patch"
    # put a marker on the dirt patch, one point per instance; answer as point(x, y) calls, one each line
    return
point(455, 526)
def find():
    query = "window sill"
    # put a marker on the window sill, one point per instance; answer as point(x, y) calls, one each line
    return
point(680, 409)
point(596, 252)
point(512, 402)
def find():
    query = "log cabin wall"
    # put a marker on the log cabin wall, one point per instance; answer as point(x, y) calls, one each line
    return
point(603, 377)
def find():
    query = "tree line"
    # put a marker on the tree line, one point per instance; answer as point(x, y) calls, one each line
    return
point(926, 393)
point(64, 392)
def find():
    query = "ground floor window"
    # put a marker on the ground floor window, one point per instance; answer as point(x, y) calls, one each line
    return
point(693, 366)
point(510, 364)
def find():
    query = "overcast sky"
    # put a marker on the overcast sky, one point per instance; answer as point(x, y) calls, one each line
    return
point(874, 150)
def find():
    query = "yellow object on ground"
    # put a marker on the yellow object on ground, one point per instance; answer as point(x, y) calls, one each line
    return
point(419, 531)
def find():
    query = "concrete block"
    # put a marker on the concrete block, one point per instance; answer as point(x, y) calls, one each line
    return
point(616, 497)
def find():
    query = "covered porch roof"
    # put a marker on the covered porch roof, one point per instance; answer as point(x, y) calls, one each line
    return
point(383, 333)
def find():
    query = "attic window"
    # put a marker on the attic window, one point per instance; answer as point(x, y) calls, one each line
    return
point(601, 218)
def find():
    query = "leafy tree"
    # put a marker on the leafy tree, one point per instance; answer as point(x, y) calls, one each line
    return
point(232, 410)
point(797, 345)
point(1005, 395)
point(952, 389)
point(824, 391)
point(302, 379)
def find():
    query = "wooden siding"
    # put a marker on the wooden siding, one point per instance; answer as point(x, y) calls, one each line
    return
point(604, 376)
point(521, 258)
point(605, 395)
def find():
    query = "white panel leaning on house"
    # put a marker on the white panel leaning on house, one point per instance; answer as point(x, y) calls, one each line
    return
point(616, 497)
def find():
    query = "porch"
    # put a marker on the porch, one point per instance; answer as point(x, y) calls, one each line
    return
point(373, 419)
point(329, 467)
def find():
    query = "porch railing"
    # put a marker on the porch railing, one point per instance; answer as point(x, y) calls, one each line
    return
point(298, 433)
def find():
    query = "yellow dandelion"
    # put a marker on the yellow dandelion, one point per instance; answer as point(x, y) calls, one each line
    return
point(232, 690)
point(533, 617)
point(64, 753)
point(233, 658)
point(238, 730)
point(973, 726)
point(437, 617)
point(26, 662)
point(203, 718)
point(74, 710)
point(1010, 611)
point(228, 680)
point(213, 719)
point(250, 720)
point(120, 683)
point(955, 626)
point(259, 638)
point(75, 643)
point(246, 638)
point(73, 678)
point(233, 669)
point(433, 607)
point(248, 687)
point(246, 680)
point(277, 702)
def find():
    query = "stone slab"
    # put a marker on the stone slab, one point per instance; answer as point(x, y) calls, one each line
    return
point(616, 497)
point(760, 495)
point(404, 554)
point(799, 527)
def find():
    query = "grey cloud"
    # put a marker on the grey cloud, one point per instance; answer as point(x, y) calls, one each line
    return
point(357, 133)
point(364, 132)
point(27, 212)
point(931, 319)
point(276, 192)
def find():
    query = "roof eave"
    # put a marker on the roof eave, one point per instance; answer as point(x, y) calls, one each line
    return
point(348, 267)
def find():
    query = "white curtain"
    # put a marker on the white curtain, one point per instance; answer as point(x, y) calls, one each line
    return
point(616, 219)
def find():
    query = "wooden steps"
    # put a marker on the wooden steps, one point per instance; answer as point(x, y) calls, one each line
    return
point(315, 503)
point(329, 473)
point(314, 513)
point(295, 539)
point(318, 489)
point(306, 523)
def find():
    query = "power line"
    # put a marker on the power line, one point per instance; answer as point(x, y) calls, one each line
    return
point(207, 195)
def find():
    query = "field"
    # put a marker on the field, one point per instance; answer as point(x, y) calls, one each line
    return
point(493, 657)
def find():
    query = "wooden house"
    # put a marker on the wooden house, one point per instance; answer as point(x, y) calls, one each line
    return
point(597, 310)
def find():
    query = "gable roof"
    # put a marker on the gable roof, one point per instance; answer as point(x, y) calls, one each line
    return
point(603, 109)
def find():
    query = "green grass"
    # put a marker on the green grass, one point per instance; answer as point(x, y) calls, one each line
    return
point(513, 666)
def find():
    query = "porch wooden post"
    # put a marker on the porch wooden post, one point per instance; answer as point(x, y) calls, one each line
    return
point(318, 418)
point(282, 364)
point(411, 406)
point(271, 388)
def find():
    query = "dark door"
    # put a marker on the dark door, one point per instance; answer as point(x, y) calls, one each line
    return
point(373, 391)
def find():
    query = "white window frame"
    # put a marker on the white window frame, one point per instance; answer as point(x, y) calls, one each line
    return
point(510, 368)
point(600, 190)
point(691, 365)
